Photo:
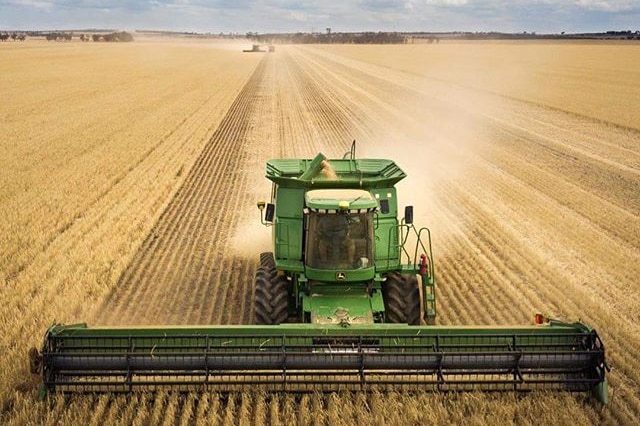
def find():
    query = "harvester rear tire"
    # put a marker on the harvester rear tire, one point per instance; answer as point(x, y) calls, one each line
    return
point(401, 296)
point(271, 303)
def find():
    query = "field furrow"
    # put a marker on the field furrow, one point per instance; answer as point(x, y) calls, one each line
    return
point(170, 268)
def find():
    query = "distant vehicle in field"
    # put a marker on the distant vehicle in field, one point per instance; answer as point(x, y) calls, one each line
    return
point(254, 48)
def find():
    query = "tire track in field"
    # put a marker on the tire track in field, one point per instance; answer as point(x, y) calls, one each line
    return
point(308, 119)
point(183, 256)
point(329, 122)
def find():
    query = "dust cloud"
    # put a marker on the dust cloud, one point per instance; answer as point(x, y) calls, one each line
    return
point(251, 238)
point(438, 143)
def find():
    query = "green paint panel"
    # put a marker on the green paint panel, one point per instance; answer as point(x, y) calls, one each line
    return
point(289, 202)
point(388, 195)
point(386, 249)
point(345, 276)
point(294, 266)
point(328, 303)
point(288, 239)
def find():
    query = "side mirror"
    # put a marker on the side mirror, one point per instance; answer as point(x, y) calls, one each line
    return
point(408, 215)
point(269, 212)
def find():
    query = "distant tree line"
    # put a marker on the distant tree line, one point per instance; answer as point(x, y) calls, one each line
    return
point(68, 36)
point(59, 36)
point(429, 37)
point(192, 34)
point(524, 35)
point(609, 35)
point(329, 37)
point(629, 35)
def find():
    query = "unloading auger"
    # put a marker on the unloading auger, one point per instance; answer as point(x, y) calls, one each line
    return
point(345, 301)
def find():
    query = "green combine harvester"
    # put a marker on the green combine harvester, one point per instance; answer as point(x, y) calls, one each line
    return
point(345, 301)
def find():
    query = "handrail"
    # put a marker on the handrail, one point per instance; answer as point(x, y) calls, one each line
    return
point(404, 231)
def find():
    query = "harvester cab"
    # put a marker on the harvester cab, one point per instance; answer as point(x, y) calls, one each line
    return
point(341, 303)
point(341, 238)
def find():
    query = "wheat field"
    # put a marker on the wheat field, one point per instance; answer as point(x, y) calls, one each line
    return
point(129, 175)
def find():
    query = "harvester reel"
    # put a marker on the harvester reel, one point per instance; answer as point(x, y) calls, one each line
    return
point(271, 294)
point(401, 295)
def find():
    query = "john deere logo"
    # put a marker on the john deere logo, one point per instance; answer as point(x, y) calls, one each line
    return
point(341, 276)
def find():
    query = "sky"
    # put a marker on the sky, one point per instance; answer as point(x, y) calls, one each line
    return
point(241, 16)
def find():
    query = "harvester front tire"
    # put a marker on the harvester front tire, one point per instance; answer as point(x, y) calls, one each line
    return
point(267, 260)
point(401, 296)
point(271, 301)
